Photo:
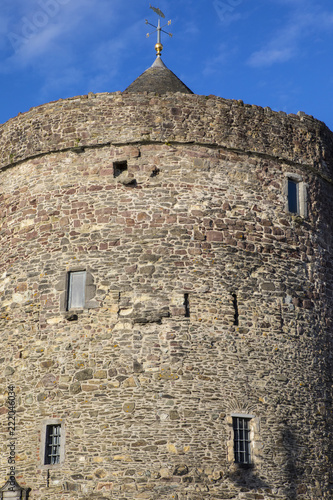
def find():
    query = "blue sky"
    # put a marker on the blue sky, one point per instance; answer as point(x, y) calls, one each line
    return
point(275, 53)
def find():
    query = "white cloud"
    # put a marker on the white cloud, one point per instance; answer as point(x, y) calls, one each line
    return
point(56, 82)
point(213, 65)
point(191, 28)
point(52, 21)
point(81, 48)
point(51, 37)
point(98, 62)
point(267, 57)
point(305, 20)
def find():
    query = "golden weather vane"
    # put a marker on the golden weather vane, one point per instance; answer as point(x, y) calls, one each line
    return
point(159, 29)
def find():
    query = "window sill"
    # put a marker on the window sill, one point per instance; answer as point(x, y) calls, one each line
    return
point(244, 466)
point(51, 466)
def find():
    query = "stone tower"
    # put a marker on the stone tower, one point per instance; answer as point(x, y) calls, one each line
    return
point(166, 298)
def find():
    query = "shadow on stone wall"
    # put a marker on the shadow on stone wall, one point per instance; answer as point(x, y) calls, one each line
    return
point(246, 477)
point(292, 472)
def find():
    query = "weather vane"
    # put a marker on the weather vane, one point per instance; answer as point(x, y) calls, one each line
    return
point(158, 46)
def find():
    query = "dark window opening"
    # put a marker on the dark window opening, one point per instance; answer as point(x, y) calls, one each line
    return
point(235, 304)
point(52, 444)
point(293, 198)
point(186, 305)
point(119, 167)
point(241, 426)
point(76, 290)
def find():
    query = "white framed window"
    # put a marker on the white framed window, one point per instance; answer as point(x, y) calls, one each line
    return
point(76, 290)
point(296, 195)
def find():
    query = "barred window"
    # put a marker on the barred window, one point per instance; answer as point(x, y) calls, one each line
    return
point(52, 444)
point(242, 451)
point(76, 290)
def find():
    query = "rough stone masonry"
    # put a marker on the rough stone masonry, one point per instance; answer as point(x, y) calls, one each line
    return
point(205, 298)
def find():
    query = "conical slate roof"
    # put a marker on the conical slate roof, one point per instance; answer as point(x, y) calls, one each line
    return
point(159, 79)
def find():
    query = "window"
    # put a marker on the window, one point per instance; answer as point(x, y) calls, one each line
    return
point(235, 304)
point(244, 440)
point(186, 305)
point(119, 167)
point(52, 444)
point(293, 196)
point(76, 290)
point(242, 444)
point(296, 195)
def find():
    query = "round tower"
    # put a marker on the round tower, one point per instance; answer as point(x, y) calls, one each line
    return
point(166, 298)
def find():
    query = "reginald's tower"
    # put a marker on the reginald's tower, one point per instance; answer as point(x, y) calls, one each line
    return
point(166, 299)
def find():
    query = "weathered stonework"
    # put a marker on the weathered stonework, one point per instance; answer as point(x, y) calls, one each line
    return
point(205, 298)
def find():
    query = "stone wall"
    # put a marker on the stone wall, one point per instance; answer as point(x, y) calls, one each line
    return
point(207, 298)
point(99, 119)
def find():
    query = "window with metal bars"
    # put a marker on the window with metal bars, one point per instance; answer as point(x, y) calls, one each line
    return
point(242, 443)
point(52, 444)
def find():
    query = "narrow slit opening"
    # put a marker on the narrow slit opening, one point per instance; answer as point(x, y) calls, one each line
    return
point(235, 304)
point(186, 305)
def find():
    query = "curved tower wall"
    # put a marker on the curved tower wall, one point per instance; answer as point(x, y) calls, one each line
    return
point(205, 298)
